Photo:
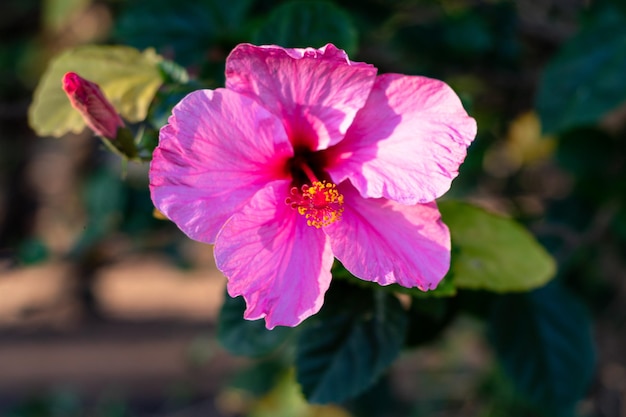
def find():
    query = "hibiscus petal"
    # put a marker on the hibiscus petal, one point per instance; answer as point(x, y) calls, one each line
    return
point(279, 264)
point(408, 141)
point(387, 242)
point(217, 151)
point(316, 92)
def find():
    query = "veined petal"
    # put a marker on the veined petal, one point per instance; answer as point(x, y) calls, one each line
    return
point(270, 256)
point(407, 143)
point(387, 242)
point(217, 151)
point(316, 92)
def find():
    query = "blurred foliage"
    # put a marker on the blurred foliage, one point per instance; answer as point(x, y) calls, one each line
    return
point(585, 79)
point(522, 70)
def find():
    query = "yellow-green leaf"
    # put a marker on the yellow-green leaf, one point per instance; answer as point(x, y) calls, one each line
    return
point(128, 77)
point(493, 253)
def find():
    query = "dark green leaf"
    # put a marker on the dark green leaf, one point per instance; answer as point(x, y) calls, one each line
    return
point(427, 319)
point(183, 30)
point(585, 152)
point(594, 159)
point(104, 195)
point(492, 252)
point(148, 139)
point(544, 341)
point(165, 101)
point(245, 337)
point(502, 398)
point(308, 23)
point(346, 347)
point(173, 73)
point(139, 217)
point(468, 34)
point(477, 303)
point(585, 79)
point(260, 378)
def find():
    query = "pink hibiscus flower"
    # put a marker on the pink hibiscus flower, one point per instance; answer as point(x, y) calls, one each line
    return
point(307, 156)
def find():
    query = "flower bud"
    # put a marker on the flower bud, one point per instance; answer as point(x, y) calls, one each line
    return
point(86, 97)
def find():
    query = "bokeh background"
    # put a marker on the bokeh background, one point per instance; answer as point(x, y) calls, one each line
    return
point(108, 311)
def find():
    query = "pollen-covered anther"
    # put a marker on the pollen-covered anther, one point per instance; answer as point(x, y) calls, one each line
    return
point(320, 203)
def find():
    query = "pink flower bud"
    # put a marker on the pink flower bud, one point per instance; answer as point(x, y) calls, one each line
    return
point(97, 111)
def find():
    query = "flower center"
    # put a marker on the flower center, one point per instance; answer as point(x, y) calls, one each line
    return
point(320, 203)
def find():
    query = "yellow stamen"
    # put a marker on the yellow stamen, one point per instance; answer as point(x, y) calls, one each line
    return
point(320, 203)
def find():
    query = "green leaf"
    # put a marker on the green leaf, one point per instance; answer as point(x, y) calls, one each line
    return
point(492, 252)
point(128, 78)
point(346, 347)
point(308, 23)
point(585, 79)
point(544, 342)
point(246, 337)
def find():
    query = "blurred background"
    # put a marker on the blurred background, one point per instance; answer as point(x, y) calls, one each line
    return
point(108, 311)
